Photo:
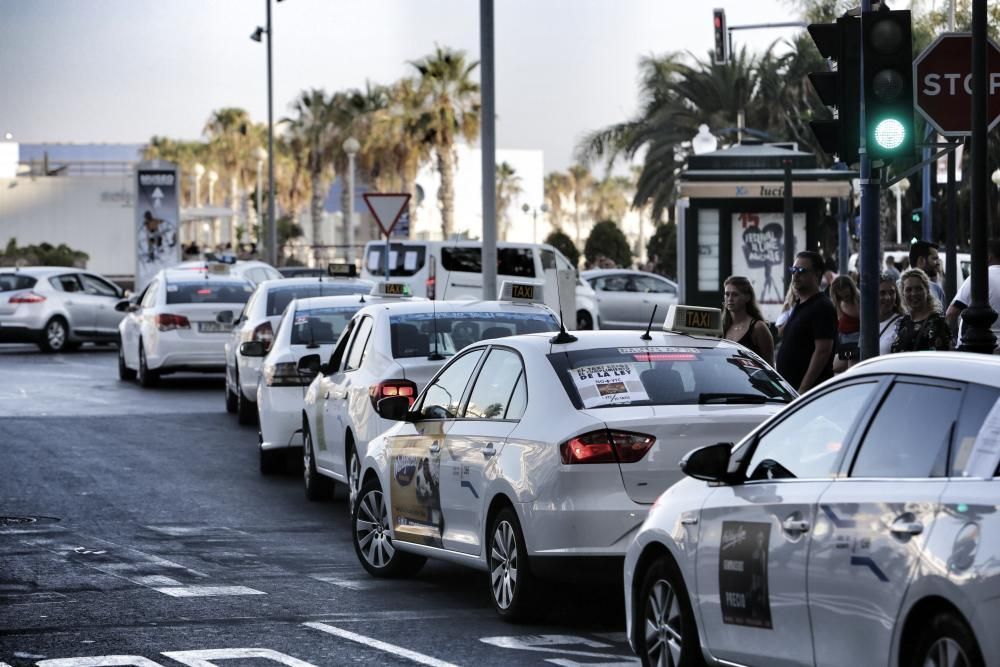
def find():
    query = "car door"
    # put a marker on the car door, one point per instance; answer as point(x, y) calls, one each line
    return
point(344, 388)
point(324, 388)
point(753, 545)
point(473, 445)
point(613, 302)
point(872, 526)
point(657, 292)
point(416, 453)
point(80, 307)
point(106, 297)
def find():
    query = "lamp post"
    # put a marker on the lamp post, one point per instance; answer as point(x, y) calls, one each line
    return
point(899, 189)
point(995, 177)
point(351, 147)
point(260, 155)
point(213, 176)
point(272, 236)
point(199, 171)
point(544, 208)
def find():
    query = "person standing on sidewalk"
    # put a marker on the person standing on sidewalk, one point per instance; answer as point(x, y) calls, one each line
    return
point(924, 256)
point(964, 296)
point(805, 357)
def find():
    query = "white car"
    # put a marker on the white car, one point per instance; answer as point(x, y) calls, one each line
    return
point(251, 269)
point(392, 350)
point(178, 324)
point(587, 315)
point(257, 322)
point(625, 298)
point(529, 457)
point(853, 528)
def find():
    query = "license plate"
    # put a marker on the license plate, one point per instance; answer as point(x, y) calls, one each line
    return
point(214, 327)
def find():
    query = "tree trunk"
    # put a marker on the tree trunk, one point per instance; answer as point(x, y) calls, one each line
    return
point(410, 186)
point(316, 213)
point(446, 193)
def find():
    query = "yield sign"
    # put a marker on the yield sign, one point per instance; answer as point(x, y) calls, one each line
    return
point(386, 207)
point(943, 78)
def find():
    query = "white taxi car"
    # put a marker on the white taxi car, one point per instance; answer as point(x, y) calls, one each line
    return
point(393, 349)
point(257, 322)
point(178, 324)
point(538, 456)
point(853, 528)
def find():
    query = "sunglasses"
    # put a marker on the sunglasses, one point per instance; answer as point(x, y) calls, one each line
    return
point(798, 269)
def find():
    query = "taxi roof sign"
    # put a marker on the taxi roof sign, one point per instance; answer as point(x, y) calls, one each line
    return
point(391, 290)
point(342, 270)
point(696, 320)
point(521, 292)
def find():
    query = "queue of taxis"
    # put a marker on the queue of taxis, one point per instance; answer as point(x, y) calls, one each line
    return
point(534, 454)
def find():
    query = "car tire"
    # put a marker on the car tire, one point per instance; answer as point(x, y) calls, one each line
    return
point(125, 374)
point(373, 539)
point(513, 589)
point(272, 461)
point(55, 336)
point(584, 322)
point(664, 620)
point(230, 399)
point(353, 474)
point(147, 378)
point(246, 410)
point(317, 487)
point(946, 641)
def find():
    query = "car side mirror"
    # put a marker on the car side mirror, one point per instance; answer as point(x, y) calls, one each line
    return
point(253, 348)
point(325, 369)
point(394, 408)
point(309, 365)
point(123, 306)
point(710, 463)
point(225, 317)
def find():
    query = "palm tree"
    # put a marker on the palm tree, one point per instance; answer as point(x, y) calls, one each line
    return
point(580, 180)
point(557, 186)
point(609, 198)
point(310, 131)
point(451, 112)
point(508, 188)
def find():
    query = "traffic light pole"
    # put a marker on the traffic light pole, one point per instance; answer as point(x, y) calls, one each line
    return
point(869, 262)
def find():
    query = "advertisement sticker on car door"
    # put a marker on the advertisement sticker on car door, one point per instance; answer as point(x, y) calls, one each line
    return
point(743, 564)
point(415, 490)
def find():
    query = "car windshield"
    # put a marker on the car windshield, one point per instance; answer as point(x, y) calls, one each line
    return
point(413, 334)
point(650, 375)
point(208, 291)
point(319, 326)
point(278, 297)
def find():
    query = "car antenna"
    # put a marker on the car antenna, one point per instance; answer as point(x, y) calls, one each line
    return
point(646, 335)
point(436, 355)
point(563, 336)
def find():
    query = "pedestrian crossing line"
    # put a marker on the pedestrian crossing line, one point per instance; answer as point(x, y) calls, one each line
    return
point(366, 583)
point(398, 651)
point(206, 591)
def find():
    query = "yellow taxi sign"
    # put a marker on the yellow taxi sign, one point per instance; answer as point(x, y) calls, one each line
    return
point(521, 292)
point(391, 289)
point(342, 269)
point(217, 268)
point(696, 320)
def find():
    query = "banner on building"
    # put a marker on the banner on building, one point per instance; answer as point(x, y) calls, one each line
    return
point(157, 216)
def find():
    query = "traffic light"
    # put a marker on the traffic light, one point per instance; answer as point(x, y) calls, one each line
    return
point(916, 224)
point(720, 52)
point(887, 48)
point(841, 42)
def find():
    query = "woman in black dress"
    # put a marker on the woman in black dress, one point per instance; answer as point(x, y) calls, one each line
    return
point(742, 320)
point(923, 327)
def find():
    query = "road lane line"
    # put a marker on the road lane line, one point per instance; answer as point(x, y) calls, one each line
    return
point(206, 657)
point(100, 661)
point(419, 658)
point(205, 591)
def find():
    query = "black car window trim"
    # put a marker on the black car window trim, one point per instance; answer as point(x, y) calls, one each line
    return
point(58, 284)
point(337, 357)
point(740, 460)
point(419, 404)
point(463, 406)
point(354, 342)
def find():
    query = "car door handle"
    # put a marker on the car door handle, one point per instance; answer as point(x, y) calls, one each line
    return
point(795, 525)
point(489, 451)
point(435, 447)
point(903, 527)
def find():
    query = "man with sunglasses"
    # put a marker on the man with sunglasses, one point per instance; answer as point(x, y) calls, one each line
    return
point(805, 357)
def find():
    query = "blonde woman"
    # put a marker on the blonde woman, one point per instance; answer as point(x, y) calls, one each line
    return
point(742, 320)
point(890, 310)
point(847, 300)
point(923, 327)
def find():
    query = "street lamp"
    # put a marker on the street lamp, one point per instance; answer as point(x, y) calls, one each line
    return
point(544, 208)
point(260, 155)
point(213, 176)
point(198, 172)
point(272, 236)
point(704, 141)
point(351, 147)
point(899, 189)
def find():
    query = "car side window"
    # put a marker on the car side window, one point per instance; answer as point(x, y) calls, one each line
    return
point(611, 284)
point(548, 259)
point(443, 397)
point(654, 285)
point(96, 286)
point(494, 387)
point(149, 296)
point(338, 353)
point(807, 444)
point(68, 282)
point(518, 399)
point(359, 345)
point(976, 405)
point(911, 432)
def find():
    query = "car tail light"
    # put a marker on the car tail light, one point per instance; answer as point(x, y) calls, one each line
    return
point(388, 388)
point(284, 375)
point(432, 278)
point(606, 446)
point(168, 322)
point(264, 334)
point(26, 297)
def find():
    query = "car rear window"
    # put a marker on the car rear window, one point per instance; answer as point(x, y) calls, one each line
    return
point(651, 375)
point(413, 334)
point(15, 281)
point(278, 298)
point(518, 262)
point(208, 292)
point(404, 260)
point(321, 325)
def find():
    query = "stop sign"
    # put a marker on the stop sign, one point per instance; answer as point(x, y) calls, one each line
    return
point(942, 75)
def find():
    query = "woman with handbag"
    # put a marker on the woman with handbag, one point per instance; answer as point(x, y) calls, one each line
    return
point(923, 327)
point(847, 300)
point(742, 320)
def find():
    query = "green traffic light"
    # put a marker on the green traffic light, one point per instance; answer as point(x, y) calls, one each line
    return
point(890, 133)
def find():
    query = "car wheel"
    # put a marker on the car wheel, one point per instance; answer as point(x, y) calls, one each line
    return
point(665, 632)
point(584, 322)
point(946, 641)
point(512, 587)
point(146, 377)
point(373, 538)
point(317, 487)
point(353, 475)
point(230, 398)
point(124, 372)
point(55, 336)
point(246, 410)
point(271, 460)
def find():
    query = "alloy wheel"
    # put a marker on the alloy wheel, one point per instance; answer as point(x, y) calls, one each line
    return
point(55, 334)
point(503, 564)
point(371, 528)
point(663, 625)
point(307, 463)
point(353, 479)
point(945, 652)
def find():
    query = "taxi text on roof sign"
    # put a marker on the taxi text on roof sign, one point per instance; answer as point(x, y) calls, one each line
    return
point(694, 320)
point(342, 269)
point(391, 289)
point(520, 292)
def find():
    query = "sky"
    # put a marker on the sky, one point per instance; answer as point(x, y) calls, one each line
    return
point(110, 71)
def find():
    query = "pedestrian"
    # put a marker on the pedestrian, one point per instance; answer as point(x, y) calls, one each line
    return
point(742, 320)
point(847, 300)
point(964, 296)
point(786, 310)
point(890, 267)
point(890, 310)
point(924, 256)
point(805, 357)
point(923, 327)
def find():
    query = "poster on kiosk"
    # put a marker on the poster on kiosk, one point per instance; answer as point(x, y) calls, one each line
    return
point(156, 220)
point(759, 254)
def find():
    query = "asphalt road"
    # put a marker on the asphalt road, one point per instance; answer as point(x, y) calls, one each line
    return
point(135, 529)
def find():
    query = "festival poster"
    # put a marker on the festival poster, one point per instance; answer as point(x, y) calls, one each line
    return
point(759, 254)
point(743, 585)
point(157, 215)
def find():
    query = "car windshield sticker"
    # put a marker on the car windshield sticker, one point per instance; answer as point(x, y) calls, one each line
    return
point(415, 491)
point(659, 349)
point(608, 384)
point(744, 362)
point(982, 460)
point(663, 356)
point(743, 562)
point(472, 315)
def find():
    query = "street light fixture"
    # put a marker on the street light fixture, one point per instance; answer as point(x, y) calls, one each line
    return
point(899, 189)
point(199, 171)
point(351, 147)
point(260, 155)
point(544, 208)
point(704, 141)
point(272, 236)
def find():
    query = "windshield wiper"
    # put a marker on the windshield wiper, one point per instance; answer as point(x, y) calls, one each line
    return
point(737, 398)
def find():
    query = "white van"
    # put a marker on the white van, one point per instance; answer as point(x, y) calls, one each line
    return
point(453, 270)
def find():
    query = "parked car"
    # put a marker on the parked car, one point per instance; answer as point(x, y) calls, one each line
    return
point(57, 308)
point(253, 270)
point(625, 298)
point(587, 315)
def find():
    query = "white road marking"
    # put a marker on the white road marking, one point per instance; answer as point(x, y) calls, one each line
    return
point(564, 662)
point(189, 531)
point(353, 584)
point(100, 661)
point(207, 657)
point(205, 591)
point(157, 580)
point(545, 643)
point(418, 658)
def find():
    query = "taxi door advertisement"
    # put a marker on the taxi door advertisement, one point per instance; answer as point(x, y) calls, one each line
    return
point(415, 487)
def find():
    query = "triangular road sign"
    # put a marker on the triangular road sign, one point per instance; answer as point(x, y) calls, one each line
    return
point(386, 207)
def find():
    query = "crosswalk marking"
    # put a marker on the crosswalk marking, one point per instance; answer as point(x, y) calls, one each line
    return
point(207, 657)
point(206, 591)
point(418, 658)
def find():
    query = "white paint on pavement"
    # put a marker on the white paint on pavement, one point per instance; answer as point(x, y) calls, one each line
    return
point(399, 651)
point(343, 582)
point(207, 658)
point(546, 644)
point(100, 661)
point(206, 591)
